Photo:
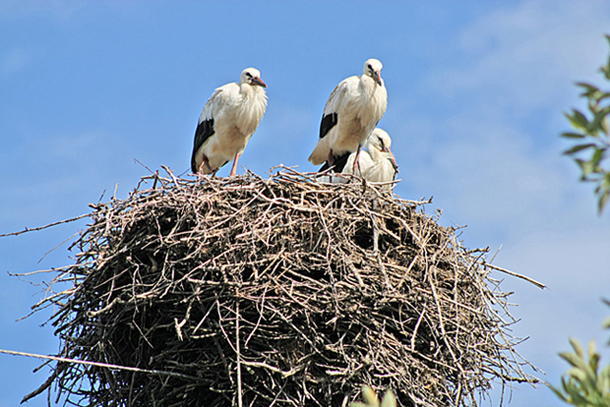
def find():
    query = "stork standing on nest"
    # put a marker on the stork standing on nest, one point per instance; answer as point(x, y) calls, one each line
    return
point(228, 120)
point(377, 163)
point(351, 113)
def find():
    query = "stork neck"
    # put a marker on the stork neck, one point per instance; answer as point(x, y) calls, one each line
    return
point(368, 85)
point(374, 152)
point(248, 91)
point(245, 89)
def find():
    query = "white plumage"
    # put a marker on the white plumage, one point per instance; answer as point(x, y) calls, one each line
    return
point(351, 113)
point(228, 120)
point(377, 163)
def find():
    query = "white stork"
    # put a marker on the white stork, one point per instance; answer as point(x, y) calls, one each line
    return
point(228, 120)
point(351, 113)
point(377, 163)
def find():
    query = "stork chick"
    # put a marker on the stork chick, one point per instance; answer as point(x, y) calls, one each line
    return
point(377, 163)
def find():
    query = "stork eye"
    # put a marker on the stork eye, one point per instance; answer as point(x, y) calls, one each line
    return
point(248, 75)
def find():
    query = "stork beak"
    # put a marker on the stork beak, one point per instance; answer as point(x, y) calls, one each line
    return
point(392, 160)
point(259, 82)
point(377, 77)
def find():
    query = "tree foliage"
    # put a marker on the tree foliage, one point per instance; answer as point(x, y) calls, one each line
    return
point(583, 385)
point(369, 395)
point(591, 133)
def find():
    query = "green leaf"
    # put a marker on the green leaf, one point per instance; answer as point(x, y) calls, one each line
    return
point(607, 323)
point(591, 91)
point(598, 155)
point(606, 70)
point(604, 111)
point(575, 397)
point(591, 349)
point(597, 124)
point(389, 400)
point(578, 374)
point(577, 348)
point(578, 119)
point(603, 201)
point(571, 358)
point(585, 167)
point(604, 381)
point(604, 125)
point(370, 396)
point(578, 148)
point(587, 86)
point(594, 362)
point(572, 135)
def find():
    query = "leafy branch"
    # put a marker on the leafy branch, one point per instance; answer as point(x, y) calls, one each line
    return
point(593, 137)
point(389, 400)
point(582, 385)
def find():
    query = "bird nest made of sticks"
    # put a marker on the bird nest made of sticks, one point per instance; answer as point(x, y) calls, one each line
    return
point(246, 291)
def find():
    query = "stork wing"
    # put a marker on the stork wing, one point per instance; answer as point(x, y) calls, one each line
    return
point(328, 122)
point(334, 104)
point(205, 127)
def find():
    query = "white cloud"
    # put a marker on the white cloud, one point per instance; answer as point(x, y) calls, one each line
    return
point(528, 54)
point(492, 157)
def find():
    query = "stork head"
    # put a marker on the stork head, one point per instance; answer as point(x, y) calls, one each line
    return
point(252, 77)
point(372, 68)
point(380, 141)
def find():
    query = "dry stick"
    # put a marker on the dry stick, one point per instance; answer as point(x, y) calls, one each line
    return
point(421, 316)
point(43, 386)
point(239, 391)
point(260, 317)
point(209, 202)
point(85, 215)
point(100, 364)
point(440, 314)
point(512, 273)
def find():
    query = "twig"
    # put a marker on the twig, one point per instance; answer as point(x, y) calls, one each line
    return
point(99, 364)
point(46, 226)
point(512, 273)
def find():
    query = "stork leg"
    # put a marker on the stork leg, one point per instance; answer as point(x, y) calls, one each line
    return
point(357, 161)
point(234, 169)
point(330, 162)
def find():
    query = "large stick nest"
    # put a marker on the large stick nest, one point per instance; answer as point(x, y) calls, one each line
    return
point(247, 291)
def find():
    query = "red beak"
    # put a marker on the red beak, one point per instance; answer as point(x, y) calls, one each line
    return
point(259, 82)
point(377, 78)
point(392, 160)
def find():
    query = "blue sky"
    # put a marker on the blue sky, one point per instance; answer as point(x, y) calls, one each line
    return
point(476, 93)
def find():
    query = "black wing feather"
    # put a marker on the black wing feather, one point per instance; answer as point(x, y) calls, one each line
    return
point(339, 162)
point(328, 122)
point(205, 130)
